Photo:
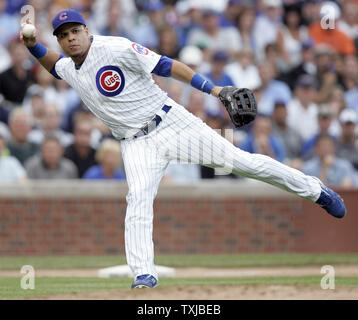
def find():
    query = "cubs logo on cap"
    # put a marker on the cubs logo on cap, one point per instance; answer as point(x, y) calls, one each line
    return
point(66, 16)
point(110, 81)
point(63, 16)
point(139, 49)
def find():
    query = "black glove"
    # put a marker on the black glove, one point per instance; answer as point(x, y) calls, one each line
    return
point(240, 104)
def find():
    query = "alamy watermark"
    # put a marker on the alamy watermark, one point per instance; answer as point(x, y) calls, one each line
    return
point(328, 16)
point(328, 280)
point(28, 280)
point(27, 14)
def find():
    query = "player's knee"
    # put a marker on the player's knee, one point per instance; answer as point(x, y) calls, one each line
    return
point(140, 196)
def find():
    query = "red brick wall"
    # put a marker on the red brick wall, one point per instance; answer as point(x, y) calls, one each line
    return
point(94, 224)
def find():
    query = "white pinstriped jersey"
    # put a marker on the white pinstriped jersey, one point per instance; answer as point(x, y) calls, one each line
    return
point(116, 84)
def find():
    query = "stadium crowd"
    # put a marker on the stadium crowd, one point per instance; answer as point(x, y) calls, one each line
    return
point(300, 62)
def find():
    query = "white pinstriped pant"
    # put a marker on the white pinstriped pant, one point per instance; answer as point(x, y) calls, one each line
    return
point(182, 136)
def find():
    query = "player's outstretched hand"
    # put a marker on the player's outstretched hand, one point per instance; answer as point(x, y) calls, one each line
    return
point(28, 41)
point(216, 91)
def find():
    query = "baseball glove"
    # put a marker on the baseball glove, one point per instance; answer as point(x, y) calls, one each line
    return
point(240, 104)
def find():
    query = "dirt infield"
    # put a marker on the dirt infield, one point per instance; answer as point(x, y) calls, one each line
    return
point(245, 292)
point(213, 292)
point(341, 270)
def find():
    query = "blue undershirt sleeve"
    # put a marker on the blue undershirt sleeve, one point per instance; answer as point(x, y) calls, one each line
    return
point(163, 67)
point(53, 70)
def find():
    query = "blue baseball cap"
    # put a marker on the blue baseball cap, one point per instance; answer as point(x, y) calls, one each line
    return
point(154, 6)
point(66, 16)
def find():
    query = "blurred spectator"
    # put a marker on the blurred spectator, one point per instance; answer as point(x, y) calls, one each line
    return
point(9, 25)
point(188, 18)
point(324, 120)
point(336, 39)
point(261, 140)
point(217, 75)
point(291, 35)
point(326, 72)
point(44, 29)
point(90, 14)
point(215, 37)
point(146, 33)
point(114, 26)
point(67, 97)
point(272, 90)
point(267, 25)
point(311, 11)
point(347, 143)
point(11, 169)
point(290, 137)
point(110, 162)
point(196, 104)
point(46, 81)
point(168, 42)
point(349, 21)
point(80, 152)
point(273, 56)
point(50, 126)
point(15, 80)
point(246, 37)
point(5, 59)
point(175, 90)
point(331, 170)
point(230, 15)
point(4, 131)
point(50, 163)
point(307, 65)
point(349, 74)
point(34, 104)
point(4, 113)
point(193, 57)
point(215, 120)
point(302, 111)
point(76, 111)
point(243, 72)
point(245, 24)
point(20, 125)
point(14, 6)
point(337, 104)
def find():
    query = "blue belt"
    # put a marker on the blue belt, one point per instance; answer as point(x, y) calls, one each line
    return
point(152, 124)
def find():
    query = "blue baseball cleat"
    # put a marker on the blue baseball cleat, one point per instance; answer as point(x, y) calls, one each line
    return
point(331, 202)
point(144, 281)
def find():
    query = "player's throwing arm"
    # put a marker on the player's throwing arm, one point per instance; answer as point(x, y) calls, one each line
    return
point(46, 57)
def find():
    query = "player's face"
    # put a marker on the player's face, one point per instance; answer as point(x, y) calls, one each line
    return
point(74, 39)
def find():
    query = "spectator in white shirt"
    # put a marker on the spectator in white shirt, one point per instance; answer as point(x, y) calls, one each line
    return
point(214, 36)
point(243, 71)
point(267, 25)
point(348, 23)
point(11, 169)
point(302, 111)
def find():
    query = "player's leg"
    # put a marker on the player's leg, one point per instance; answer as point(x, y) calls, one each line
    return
point(198, 143)
point(144, 170)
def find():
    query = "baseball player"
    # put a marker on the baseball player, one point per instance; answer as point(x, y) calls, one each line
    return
point(113, 76)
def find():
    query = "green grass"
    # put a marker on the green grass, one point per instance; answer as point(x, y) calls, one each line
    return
point(223, 261)
point(10, 287)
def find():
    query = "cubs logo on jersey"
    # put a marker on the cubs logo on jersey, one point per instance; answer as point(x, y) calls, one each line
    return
point(110, 81)
point(139, 49)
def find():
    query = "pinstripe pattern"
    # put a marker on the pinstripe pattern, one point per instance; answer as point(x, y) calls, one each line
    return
point(181, 136)
point(125, 113)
